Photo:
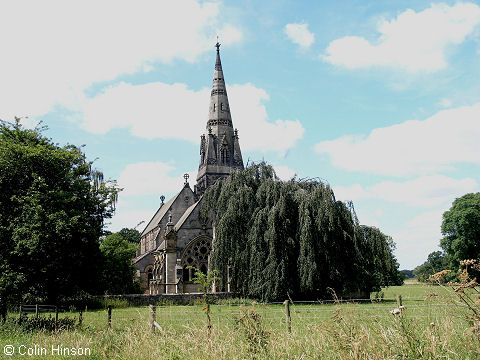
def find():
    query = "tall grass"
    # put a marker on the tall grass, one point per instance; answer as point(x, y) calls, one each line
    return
point(433, 329)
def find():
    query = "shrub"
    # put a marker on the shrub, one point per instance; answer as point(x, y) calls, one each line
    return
point(251, 325)
point(47, 323)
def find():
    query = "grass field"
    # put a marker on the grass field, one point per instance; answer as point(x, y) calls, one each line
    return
point(433, 326)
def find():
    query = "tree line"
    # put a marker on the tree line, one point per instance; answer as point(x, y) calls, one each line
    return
point(277, 239)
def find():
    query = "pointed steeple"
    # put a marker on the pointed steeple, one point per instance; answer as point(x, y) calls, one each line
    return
point(219, 111)
point(219, 149)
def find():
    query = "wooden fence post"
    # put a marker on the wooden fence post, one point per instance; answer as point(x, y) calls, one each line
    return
point(287, 316)
point(56, 316)
point(36, 310)
point(80, 318)
point(152, 318)
point(399, 300)
point(109, 325)
point(209, 321)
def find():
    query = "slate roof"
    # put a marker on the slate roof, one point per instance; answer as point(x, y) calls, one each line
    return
point(185, 215)
point(140, 257)
point(161, 212)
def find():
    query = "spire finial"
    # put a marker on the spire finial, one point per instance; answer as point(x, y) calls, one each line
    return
point(217, 45)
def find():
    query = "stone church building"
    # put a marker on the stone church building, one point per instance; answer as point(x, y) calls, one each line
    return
point(175, 237)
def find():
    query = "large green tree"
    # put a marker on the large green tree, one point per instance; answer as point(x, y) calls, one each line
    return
point(118, 250)
point(436, 261)
point(461, 229)
point(52, 210)
point(293, 239)
point(130, 235)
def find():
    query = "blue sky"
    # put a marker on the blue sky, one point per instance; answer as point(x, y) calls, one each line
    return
point(379, 99)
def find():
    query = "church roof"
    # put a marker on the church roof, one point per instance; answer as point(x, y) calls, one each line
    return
point(140, 257)
point(185, 215)
point(161, 212)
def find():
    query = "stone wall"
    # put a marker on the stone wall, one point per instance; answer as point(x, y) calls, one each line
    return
point(179, 299)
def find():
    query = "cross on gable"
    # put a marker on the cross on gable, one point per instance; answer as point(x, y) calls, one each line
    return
point(186, 176)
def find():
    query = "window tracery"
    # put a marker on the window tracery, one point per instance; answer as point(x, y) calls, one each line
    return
point(196, 254)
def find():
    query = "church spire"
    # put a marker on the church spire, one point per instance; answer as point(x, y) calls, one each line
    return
point(219, 148)
point(219, 112)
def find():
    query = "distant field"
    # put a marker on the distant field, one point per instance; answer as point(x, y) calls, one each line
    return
point(413, 289)
point(327, 331)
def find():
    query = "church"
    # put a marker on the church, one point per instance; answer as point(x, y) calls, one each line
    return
point(175, 238)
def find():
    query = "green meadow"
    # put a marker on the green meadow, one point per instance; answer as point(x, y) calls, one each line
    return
point(434, 325)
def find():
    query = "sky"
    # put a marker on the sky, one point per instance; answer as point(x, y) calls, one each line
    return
point(381, 100)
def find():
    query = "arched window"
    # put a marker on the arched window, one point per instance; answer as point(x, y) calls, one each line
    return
point(196, 254)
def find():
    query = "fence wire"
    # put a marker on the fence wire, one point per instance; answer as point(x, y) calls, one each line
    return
point(272, 315)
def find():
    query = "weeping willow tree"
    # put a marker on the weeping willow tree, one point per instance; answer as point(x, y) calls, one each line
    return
point(292, 239)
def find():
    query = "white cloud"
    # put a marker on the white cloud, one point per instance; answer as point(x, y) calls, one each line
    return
point(445, 103)
point(284, 172)
point(153, 110)
point(413, 147)
point(230, 34)
point(148, 178)
point(427, 191)
point(418, 237)
point(158, 110)
point(351, 193)
point(300, 35)
point(127, 218)
point(53, 49)
point(250, 116)
point(414, 41)
point(378, 212)
point(145, 178)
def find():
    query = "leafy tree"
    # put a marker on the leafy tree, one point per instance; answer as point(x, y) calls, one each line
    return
point(436, 261)
point(407, 274)
point(130, 235)
point(461, 230)
point(378, 265)
point(206, 282)
point(52, 210)
point(119, 271)
point(292, 238)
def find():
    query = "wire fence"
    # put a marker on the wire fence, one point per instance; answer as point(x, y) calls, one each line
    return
point(274, 316)
point(303, 314)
